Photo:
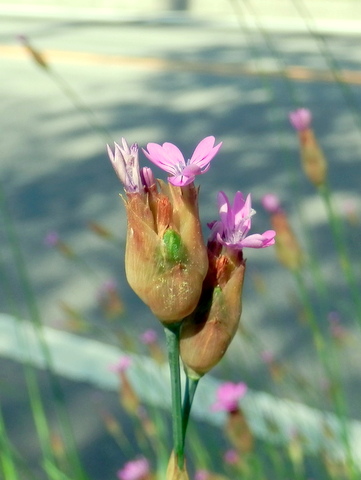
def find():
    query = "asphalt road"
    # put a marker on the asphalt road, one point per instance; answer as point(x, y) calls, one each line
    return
point(155, 83)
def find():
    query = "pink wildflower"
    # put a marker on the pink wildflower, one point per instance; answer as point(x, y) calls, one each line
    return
point(121, 365)
point(135, 470)
point(149, 336)
point(201, 475)
point(300, 119)
point(231, 457)
point(169, 158)
point(107, 287)
point(228, 396)
point(126, 165)
point(271, 203)
point(235, 224)
point(51, 239)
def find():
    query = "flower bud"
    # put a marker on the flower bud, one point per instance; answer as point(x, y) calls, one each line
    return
point(238, 432)
point(313, 160)
point(288, 250)
point(207, 333)
point(166, 259)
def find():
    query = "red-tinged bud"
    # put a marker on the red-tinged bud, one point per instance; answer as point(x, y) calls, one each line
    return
point(239, 433)
point(127, 396)
point(166, 259)
point(313, 160)
point(174, 472)
point(207, 333)
point(288, 250)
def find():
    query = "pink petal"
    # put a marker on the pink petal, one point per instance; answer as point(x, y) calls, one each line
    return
point(180, 180)
point(191, 170)
point(225, 211)
point(259, 241)
point(204, 152)
point(173, 154)
point(160, 156)
point(300, 119)
point(203, 148)
point(241, 209)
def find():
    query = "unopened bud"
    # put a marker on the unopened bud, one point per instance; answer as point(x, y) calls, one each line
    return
point(288, 250)
point(239, 433)
point(166, 259)
point(313, 160)
point(207, 333)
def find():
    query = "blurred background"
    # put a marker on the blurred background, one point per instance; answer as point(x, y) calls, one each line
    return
point(175, 71)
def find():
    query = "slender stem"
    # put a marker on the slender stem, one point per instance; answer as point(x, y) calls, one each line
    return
point(32, 385)
point(339, 239)
point(172, 337)
point(80, 105)
point(327, 359)
point(191, 387)
point(7, 461)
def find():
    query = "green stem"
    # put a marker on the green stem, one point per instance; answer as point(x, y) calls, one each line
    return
point(30, 374)
point(337, 231)
point(191, 387)
point(172, 337)
point(327, 361)
point(7, 461)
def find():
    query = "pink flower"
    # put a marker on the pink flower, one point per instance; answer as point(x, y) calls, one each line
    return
point(149, 336)
point(121, 365)
point(228, 396)
point(201, 475)
point(107, 287)
point(235, 224)
point(126, 165)
point(271, 203)
point(169, 158)
point(51, 239)
point(135, 470)
point(231, 457)
point(267, 356)
point(300, 119)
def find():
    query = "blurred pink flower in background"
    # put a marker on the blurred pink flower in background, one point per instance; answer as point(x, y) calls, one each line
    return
point(300, 119)
point(201, 475)
point(51, 239)
point(231, 457)
point(107, 287)
point(228, 396)
point(267, 356)
point(135, 470)
point(149, 336)
point(271, 203)
point(121, 365)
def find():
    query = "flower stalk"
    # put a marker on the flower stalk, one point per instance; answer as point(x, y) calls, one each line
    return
point(172, 341)
point(190, 390)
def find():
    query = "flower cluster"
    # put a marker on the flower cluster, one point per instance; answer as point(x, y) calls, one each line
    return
point(193, 288)
point(167, 262)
